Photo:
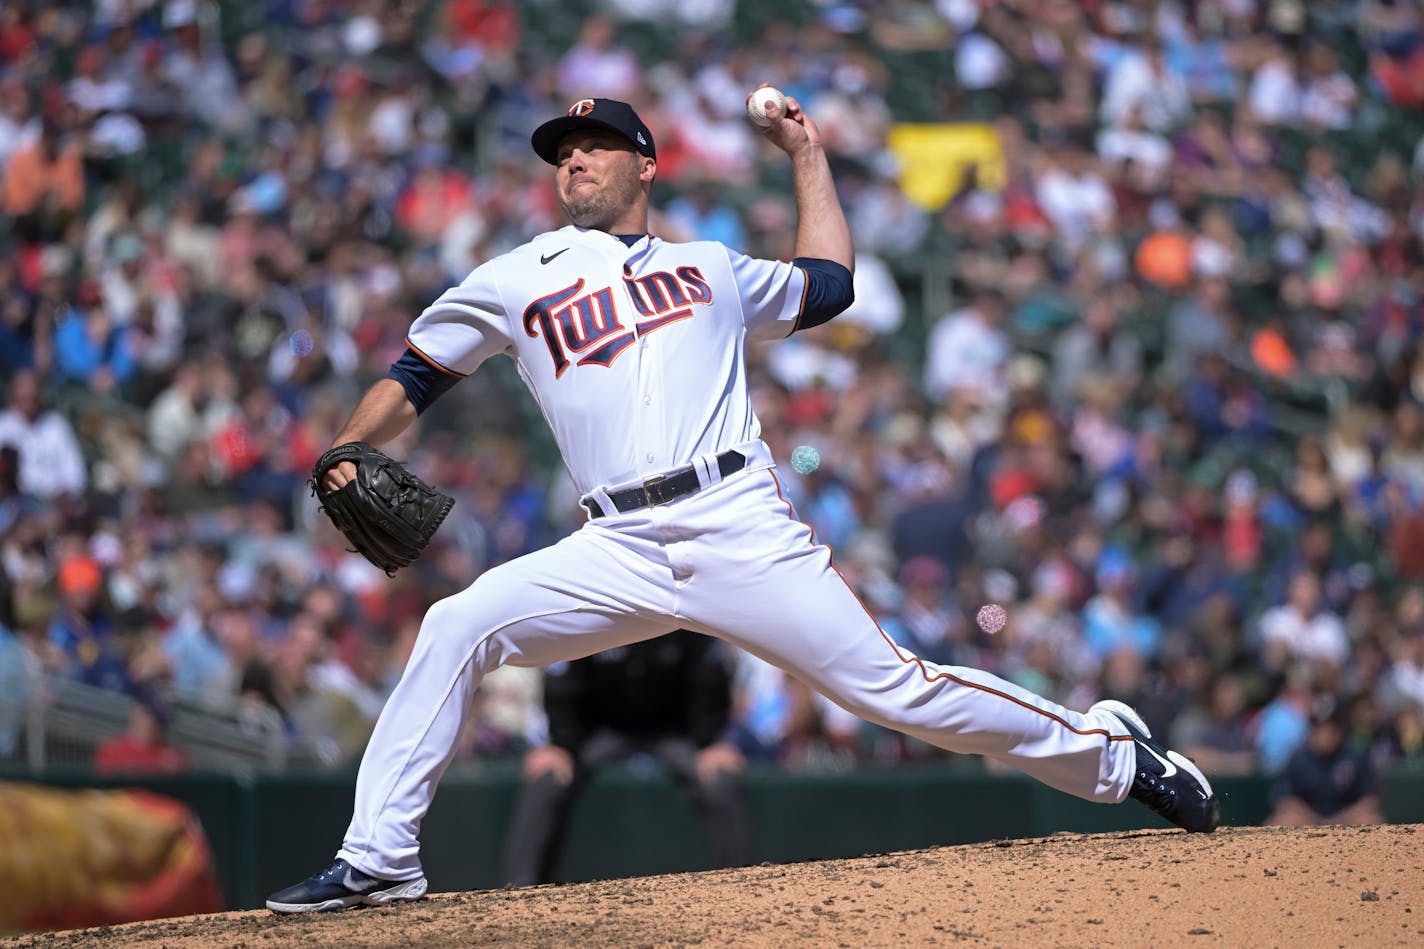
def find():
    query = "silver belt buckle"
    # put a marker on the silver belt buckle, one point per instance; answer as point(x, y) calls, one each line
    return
point(653, 487)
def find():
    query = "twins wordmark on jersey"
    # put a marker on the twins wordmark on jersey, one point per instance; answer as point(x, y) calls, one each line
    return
point(588, 324)
point(635, 354)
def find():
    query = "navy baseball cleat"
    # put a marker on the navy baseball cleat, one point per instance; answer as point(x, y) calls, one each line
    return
point(1166, 781)
point(341, 885)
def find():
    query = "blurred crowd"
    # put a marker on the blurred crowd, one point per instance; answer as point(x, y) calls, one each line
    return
point(1150, 377)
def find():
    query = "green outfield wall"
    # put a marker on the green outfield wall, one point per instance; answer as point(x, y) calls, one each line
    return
point(268, 831)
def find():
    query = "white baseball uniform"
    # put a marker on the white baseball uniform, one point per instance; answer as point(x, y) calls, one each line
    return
point(636, 355)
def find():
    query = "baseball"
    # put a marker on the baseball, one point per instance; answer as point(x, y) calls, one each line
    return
point(756, 105)
point(805, 459)
point(991, 618)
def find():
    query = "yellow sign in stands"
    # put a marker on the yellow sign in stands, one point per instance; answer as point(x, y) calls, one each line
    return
point(933, 159)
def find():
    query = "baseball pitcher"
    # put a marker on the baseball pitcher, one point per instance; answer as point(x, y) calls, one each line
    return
point(635, 349)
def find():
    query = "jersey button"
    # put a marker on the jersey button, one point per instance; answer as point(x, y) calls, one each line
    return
point(647, 400)
point(649, 456)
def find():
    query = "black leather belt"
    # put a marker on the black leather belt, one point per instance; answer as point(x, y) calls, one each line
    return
point(666, 487)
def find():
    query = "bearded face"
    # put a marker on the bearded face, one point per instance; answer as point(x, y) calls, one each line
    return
point(598, 178)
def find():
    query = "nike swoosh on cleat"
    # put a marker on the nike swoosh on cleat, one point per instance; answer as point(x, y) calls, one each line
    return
point(544, 259)
point(1166, 763)
point(357, 886)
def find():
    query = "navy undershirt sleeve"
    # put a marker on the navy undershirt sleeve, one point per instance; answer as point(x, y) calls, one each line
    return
point(423, 383)
point(829, 290)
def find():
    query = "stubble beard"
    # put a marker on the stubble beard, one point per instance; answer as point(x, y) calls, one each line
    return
point(599, 208)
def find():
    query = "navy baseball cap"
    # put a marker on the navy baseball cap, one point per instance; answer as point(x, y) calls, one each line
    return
point(609, 114)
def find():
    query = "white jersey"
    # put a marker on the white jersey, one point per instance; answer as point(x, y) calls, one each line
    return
point(636, 355)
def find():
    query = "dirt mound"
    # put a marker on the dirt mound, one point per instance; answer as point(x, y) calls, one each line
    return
point(1257, 886)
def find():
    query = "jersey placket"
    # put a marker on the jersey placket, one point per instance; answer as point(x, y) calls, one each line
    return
point(649, 429)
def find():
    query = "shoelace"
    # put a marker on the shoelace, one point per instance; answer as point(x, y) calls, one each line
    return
point(331, 874)
point(1154, 792)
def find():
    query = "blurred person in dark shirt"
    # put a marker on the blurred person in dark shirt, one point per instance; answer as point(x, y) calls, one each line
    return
point(1327, 780)
point(668, 699)
point(928, 613)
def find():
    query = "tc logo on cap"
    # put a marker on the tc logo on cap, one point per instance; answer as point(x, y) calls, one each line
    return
point(581, 107)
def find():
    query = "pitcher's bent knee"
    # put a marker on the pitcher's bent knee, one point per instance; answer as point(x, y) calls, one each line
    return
point(453, 630)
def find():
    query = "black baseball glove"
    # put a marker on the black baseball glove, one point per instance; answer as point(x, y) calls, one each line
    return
point(385, 511)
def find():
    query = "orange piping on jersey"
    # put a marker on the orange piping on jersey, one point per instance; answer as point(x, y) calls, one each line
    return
point(916, 660)
point(800, 313)
point(449, 372)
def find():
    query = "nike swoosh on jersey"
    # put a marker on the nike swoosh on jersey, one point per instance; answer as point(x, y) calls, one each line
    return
point(544, 259)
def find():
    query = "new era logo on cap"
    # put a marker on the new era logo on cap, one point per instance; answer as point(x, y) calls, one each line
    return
point(609, 114)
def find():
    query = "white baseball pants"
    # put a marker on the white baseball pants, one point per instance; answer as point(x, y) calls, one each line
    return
point(731, 561)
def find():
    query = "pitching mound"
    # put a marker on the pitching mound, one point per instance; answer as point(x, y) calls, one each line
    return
point(1315, 887)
